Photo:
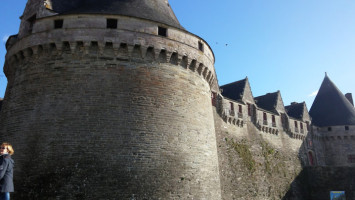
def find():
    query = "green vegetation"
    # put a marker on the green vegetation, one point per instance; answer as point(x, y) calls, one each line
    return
point(242, 148)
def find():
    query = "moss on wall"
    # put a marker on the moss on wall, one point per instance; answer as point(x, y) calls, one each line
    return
point(254, 165)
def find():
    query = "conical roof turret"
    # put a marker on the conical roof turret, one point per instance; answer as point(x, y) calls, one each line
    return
point(330, 107)
point(155, 10)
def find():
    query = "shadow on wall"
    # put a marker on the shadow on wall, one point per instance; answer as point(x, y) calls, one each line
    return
point(316, 183)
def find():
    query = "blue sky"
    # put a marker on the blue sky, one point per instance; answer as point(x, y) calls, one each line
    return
point(284, 45)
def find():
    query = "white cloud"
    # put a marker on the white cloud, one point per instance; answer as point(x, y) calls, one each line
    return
point(4, 38)
point(313, 94)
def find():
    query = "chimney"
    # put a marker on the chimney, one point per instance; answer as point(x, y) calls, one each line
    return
point(349, 96)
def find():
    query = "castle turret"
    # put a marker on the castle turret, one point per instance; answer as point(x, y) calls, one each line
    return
point(334, 119)
point(109, 100)
point(331, 107)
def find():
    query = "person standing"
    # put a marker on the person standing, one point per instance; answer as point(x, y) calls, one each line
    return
point(6, 171)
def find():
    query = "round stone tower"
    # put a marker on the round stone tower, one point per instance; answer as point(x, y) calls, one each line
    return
point(109, 99)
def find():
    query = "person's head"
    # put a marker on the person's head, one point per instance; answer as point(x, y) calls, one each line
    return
point(6, 148)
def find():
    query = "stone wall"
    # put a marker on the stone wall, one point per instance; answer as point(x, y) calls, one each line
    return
point(333, 145)
point(255, 164)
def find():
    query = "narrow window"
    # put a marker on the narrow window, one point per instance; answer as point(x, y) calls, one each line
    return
point(346, 128)
point(214, 98)
point(111, 23)
point(200, 46)
point(329, 128)
point(232, 106)
point(240, 109)
point(31, 22)
point(311, 159)
point(296, 127)
point(231, 111)
point(162, 31)
point(264, 118)
point(301, 125)
point(58, 23)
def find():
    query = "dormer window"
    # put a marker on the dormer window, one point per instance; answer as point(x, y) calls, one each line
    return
point(111, 23)
point(58, 23)
point(162, 31)
point(329, 128)
point(200, 46)
point(346, 128)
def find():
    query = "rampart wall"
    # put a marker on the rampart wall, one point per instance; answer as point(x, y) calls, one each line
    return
point(255, 164)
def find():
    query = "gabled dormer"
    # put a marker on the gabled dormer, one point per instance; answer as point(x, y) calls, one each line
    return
point(239, 91)
point(271, 102)
point(298, 111)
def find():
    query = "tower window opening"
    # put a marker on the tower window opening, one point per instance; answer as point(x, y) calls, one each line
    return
point(231, 109)
point(111, 23)
point(200, 46)
point(58, 23)
point(31, 22)
point(162, 31)
point(346, 128)
point(264, 118)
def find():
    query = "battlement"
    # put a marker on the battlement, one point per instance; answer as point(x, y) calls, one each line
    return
point(115, 37)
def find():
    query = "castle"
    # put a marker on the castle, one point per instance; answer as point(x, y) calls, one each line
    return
point(114, 99)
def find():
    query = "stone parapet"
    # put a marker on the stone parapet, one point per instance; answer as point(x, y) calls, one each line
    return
point(134, 39)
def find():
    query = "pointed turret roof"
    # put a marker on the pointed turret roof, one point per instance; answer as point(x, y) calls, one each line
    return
point(155, 10)
point(330, 107)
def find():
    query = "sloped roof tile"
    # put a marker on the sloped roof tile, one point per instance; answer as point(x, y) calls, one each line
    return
point(268, 101)
point(155, 10)
point(234, 90)
point(295, 110)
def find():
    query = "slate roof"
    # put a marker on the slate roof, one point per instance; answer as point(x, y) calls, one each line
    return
point(234, 90)
point(295, 110)
point(267, 102)
point(155, 10)
point(330, 107)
